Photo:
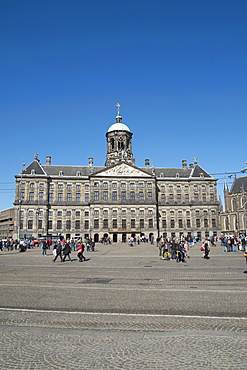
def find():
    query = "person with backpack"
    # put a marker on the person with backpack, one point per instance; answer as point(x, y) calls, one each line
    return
point(66, 251)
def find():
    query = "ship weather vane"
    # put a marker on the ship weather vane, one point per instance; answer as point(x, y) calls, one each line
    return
point(118, 108)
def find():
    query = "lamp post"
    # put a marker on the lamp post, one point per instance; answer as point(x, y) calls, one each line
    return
point(20, 201)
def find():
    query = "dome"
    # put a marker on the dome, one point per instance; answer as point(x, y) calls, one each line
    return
point(118, 126)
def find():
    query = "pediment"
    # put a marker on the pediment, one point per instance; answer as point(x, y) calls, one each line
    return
point(124, 170)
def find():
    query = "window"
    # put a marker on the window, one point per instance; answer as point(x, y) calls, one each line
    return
point(41, 196)
point(132, 195)
point(86, 224)
point(114, 223)
point(149, 185)
point(179, 198)
point(180, 223)
point(171, 199)
point(123, 211)
point(30, 224)
point(77, 213)
point(133, 212)
point(41, 213)
point(187, 213)
point(178, 188)
point(150, 223)
point(31, 196)
point(96, 184)
point(78, 187)
point(188, 223)
point(60, 197)
point(69, 197)
point(141, 185)
point(30, 213)
point(123, 195)
point(51, 198)
point(132, 185)
point(164, 224)
point(59, 224)
point(96, 195)
point(39, 224)
point(60, 173)
point(171, 188)
point(213, 222)
point(186, 188)
point(203, 187)
point(162, 188)
point(213, 212)
point(69, 186)
point(78, 173)
point(105, 195)
point(186, 197)
point(96, 223)
point(197, 212)
point(49, 224)
point(105, 212)
point(41, 185)
point(211, 197)
point(105, 223)
point(68, 213)
point(123, 223)
point(211, 187)
point(149, 195)
point(141, 195)
point(31, 185)
point(205, 212)
point(22, 195)
point(21, 224)
point(198, 224)
point(96, 212)
point(86, 213)
point(114, 213)
point(60, 186)
point(59, 213)
point(114, 195)
point(132, 223)
point(78, 197)
point(105, 184)
point(114, 184)
point(50, 213)
point(205, 222)
point(86, 187)
point(172, 213)
point(204, 197)
point(123, 185)
point(172, 224)
point(141, 211)
point(141, 223)
point(195, 187)
point(77, 224)
point(163, 198)
point(195, 197)
point(86, 197)
point(22, 185)
point(150, 212)
point(68, 224)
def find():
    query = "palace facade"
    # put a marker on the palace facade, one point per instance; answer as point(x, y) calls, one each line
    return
point(118, 199)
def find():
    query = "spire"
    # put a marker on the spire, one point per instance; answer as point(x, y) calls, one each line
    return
point(118, 117)
point(225, 186)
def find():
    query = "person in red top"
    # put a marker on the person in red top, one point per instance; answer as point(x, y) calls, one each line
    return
point(80, 251)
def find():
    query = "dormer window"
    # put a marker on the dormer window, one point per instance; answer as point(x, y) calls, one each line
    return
point(201, 174)
point(33, 172)
point(177, 175)
point(78, 173)
point(60, 173)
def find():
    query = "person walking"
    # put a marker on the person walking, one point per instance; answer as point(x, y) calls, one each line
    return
point(58, 250)
point(80, 255)
point(44, 248)
point(66, 251)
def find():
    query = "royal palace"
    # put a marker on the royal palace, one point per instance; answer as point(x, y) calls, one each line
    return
point(117, 200)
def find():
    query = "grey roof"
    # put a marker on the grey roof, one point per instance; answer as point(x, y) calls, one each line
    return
point(85, 171)
point(239, 185)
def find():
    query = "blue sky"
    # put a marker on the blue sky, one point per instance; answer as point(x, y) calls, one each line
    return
point(178, 69)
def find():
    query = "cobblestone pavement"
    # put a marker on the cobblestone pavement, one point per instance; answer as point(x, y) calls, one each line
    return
point(124, 308)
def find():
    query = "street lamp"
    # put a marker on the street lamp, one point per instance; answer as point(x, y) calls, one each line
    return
point(20, 201)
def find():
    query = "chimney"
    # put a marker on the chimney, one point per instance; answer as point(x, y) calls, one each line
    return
point(48, 160)
point(184, 163)
point(147, 163)
point(90, 162)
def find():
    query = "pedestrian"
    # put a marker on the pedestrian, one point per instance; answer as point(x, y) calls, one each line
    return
point(80, 255)
point(43, 247)
point(66, 251)
point(58, 249)
point(206, 250)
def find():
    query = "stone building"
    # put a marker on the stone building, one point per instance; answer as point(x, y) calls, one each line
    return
point(7, 223)
point(118, 199)
point(233, 219)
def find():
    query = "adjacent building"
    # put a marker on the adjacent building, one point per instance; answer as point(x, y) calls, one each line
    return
point(7, 223)
point(118, 200)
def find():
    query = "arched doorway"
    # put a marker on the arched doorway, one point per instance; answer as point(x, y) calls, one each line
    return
point(124, 238)
point(114, 238)
point(96, 238)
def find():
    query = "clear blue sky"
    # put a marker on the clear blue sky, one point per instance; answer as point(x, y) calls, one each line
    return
point(177, 67)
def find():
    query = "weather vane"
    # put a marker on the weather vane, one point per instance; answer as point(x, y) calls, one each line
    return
point(118, 108)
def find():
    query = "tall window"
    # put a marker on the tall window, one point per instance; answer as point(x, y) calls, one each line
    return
point(31, 196)
point(51, 197)
point(172, 224)
point(96, 195)
point(50, 224)
point(213, 222)
point(204, 198)
point(77, 213)
point(78, 197)
point(59, 224)
point(195, 197)
point(141, 223)
point(30, 224)
point(164, 224)
point(60, 197)
point(124, 223)
point(123, 195)
point(141, 195)
point(96, 223)
point(186, 197)
point(198, 224)
point(132, 223)
point(77, 225)
point(69, 197)
point(39, 224)
point(180, 223)
point(86, 197)
point(188, 223)
point(105, 195)
point(171, 198)
point(149, 195)
point(105, 223)
point(86, 224)
point(211, 197)
point(114, 195)
point(179, 198)
point(114, 223)
point(163, 198)
point(41, 196)
point(68, 224)
point(150, 223)
point(132, 195)
point(205, 222)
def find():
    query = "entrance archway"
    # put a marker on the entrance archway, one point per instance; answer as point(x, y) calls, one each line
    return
point(96, 238)
point(114, 238)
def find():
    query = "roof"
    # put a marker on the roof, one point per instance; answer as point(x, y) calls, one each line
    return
point(239, 185)
point(118, 126)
